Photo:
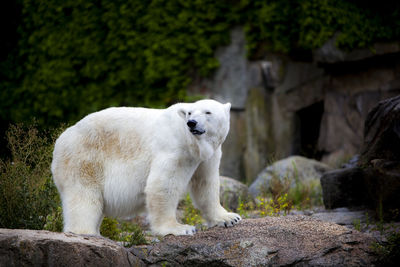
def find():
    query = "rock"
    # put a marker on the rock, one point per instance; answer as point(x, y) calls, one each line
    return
point(375, 181)
point(276, 241)
point(352, 162)
point(341, 216)
point(231, 191)
point(343, 188)
point(382, 132)
point(272, 71)
point(297, 74)
point(330, 53)
point(44, 248)
point(233, 147)
point(258, 144)
point(249, 142)
point(380, 157)
point(338, 117)
point(233, 78)
point(270, 241)
point(292, 168)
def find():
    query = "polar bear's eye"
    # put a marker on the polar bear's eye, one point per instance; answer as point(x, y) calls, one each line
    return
point(208, 112)
point(190, 113)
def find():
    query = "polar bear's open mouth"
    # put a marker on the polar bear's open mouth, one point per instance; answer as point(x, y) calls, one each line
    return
point(197, 131)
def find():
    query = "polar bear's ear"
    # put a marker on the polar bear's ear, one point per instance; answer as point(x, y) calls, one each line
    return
point(227, 107)
point(182, 113)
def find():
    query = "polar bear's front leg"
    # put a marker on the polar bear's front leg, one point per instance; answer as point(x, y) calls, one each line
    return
point(163, 190)
point(204, 189)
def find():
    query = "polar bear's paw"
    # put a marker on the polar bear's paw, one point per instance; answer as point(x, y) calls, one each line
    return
point(175, 229)
point(226, 219)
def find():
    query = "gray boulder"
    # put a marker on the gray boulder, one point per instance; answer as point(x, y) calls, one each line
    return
point(231, 191)
point(293, 168)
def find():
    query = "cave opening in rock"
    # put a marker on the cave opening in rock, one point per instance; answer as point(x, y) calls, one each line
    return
point(308, 124)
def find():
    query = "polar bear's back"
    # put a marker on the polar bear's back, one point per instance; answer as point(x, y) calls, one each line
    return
point(121, 119)
point(108, 131)
point(103, 143)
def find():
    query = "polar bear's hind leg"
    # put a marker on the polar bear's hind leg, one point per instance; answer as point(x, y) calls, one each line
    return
point(83, 212)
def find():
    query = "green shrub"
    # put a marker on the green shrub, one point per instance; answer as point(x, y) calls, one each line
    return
point(305, 195)
point(388, 252)
point(245, 207)
point(109, 228)
point(128, 233)
point(54, 221)
point(273, 206)
point(299, 194)
point(132, 234)
point(357, 224)
point(27, 192)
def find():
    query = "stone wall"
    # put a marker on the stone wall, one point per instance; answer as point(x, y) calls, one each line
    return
point(311, 105)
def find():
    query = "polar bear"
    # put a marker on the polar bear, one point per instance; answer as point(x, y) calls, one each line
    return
point(122, 161)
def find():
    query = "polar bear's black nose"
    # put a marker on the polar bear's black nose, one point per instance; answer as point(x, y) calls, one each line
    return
point(192, 123)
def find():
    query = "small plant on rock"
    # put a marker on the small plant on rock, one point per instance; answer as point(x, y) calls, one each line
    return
point(357, 224)
point(273, 207)
point(244, 208)
point(132, 234)
point(389, 252)
point(191, 215)
point(128, 233)
point(299, 194)
point(54, 221)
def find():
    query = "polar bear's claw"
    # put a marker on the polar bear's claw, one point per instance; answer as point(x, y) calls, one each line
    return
point(177, 229)
point(227, 219)
point(191, 232)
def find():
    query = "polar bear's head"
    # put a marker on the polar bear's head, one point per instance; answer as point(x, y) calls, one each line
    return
point(207, 118)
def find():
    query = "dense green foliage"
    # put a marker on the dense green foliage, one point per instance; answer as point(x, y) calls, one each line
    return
point(73, 57)
point(79, 56)
point(27, 193)
point(301, 25)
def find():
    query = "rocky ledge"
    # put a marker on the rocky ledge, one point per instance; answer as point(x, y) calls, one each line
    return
point(44, 248)
point(270, 241)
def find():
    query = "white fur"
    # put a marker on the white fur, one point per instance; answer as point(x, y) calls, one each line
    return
point(122, 161)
